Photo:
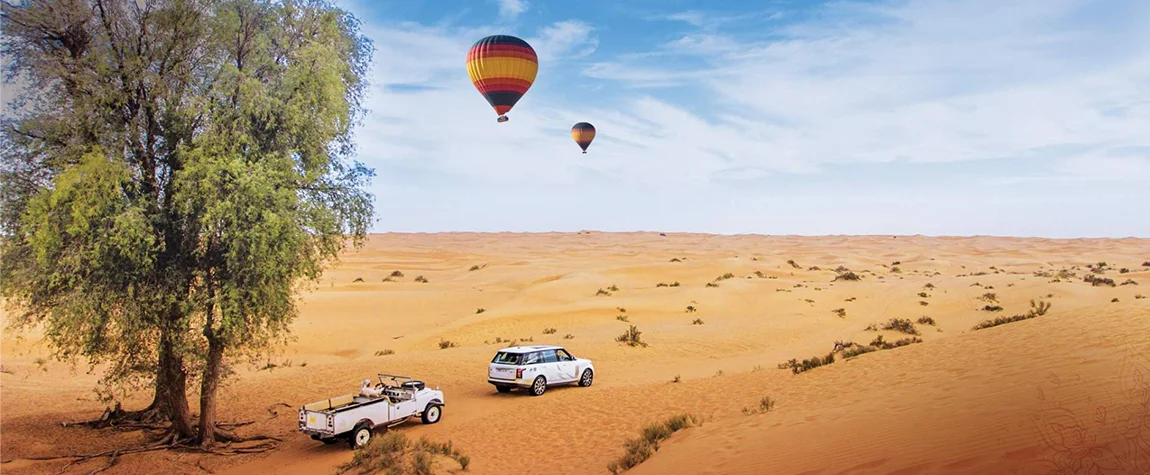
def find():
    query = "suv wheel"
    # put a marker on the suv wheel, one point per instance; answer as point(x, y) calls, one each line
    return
point(539, 386)
point(587, 377)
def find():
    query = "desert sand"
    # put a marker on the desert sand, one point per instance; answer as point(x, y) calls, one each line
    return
point(1069, 387)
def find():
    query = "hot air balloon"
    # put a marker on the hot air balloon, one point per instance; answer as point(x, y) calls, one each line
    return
point(502, 68)
point(583, 133)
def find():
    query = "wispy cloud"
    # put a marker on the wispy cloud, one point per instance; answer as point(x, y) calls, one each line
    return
point(899, 87)
point(511, 9)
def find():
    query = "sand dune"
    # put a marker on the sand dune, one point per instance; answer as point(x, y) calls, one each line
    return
point(961, 401)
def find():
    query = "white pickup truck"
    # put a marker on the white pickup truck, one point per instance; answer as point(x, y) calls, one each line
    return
point(354, 417)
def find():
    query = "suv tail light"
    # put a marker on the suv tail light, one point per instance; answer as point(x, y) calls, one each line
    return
point(518, 373)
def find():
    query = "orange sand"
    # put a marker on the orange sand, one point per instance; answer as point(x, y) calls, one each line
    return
point(1018, 396)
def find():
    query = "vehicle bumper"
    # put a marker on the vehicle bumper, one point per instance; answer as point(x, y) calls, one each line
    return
point(505, 382)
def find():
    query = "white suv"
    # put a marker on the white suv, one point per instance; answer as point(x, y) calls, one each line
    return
point(536, 367)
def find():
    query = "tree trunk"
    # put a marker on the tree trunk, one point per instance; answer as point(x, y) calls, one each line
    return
point(173, 394)
point(210, 383)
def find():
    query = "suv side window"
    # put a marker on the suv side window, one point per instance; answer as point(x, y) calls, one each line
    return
point(549, 356)
point(532, 358)
point(564, 355)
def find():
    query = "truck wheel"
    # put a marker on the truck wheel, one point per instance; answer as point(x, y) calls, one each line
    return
point(360, 436)
point(585, 380)
point(502, 388)
point(432, 414)
point(539, 386)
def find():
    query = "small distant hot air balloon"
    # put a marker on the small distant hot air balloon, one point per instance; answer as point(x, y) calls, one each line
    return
point(583, 133)
point(502, 68)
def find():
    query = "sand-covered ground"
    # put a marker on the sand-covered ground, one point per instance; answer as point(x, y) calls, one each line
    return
point(1069, 387)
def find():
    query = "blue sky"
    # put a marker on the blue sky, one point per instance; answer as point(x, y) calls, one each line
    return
point(1021, 117)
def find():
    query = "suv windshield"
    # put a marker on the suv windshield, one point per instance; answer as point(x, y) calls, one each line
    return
point(504, 357)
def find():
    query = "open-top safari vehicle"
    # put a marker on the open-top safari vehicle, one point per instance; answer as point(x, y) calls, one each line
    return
point(354, 417)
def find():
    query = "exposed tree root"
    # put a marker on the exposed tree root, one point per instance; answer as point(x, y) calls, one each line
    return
point(147, 418)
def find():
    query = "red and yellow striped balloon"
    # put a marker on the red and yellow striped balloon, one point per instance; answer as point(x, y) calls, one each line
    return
point(502, 68)
point(583, 133)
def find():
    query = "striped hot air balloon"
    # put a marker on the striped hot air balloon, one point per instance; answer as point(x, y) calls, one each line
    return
point(583, 133)
point(502, 68)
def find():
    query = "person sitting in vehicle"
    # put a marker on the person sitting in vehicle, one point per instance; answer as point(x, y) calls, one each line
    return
point(367, 391)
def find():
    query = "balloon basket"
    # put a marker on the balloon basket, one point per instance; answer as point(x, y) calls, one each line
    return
point(502, 118)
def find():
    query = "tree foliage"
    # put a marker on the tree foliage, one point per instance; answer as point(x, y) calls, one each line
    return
point(180, 166)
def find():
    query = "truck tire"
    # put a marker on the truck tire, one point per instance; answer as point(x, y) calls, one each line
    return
point(539, 386)
point(586, 378)
point(360, 436)
point(432, 414)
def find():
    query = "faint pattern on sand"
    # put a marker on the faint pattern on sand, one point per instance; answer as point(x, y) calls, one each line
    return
point(1111, 436)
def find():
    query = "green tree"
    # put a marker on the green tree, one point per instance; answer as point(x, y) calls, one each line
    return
point(179, 169)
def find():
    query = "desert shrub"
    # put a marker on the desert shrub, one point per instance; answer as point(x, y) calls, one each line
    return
point(623, 318)
point(1146, 264)
point(923, 303)
point(1114, 300)
point(992, 308)
point(759, 274)
point(726, 276)
point(480, 310)
point(632, 337)
point(896, 270)
point(613, 288)
point(712, 284)
point(602, 292)
point(901, 325)
point(568, 337)
point(621, 309)
point(989, 297)
point(1037, 309)
point(793, 264)
point(691, 309)
point(923, 295)
point(852, 299)
point(677, 379)
point(357, 279)
point(697, 321)
point(1123, 270)
point(385, 352)
point(1129, 282)
point(421, 279)
point(813, 268)
point(841, 269)
point(848, 275)
point(676, 259)
point(643, 447)
point(1139, 296)
point(926, 320)
point(549, 331)
point(383, 453)
point(928, 286)
point(1099, 281)
point(675, 284)
point(840, 312)
point(396, 274)
point(662, 284)
point(808, 364)
point(445, 344)
point(858, 350)
point(809, 301)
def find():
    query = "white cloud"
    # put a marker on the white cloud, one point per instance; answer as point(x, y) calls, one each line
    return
point(510, 9)
point(925, 82)
point(564, 39)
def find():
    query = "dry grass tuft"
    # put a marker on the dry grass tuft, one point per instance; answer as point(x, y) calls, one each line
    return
point(632, 337)
point(643, 447)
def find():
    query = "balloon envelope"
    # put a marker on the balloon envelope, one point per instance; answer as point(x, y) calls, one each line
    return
point(502, 68)
point(583, 133)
